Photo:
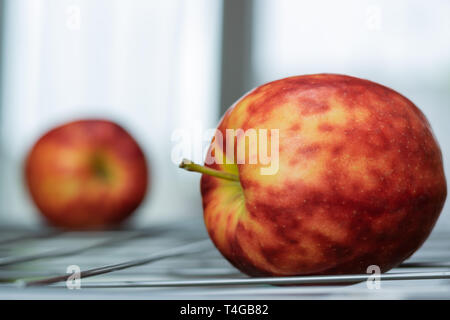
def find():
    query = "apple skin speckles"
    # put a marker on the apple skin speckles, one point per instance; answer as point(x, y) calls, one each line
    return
point(360, 182)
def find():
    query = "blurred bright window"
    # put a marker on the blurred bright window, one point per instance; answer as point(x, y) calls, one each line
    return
point(151, 65)
point(154, 66)
point(403, 44)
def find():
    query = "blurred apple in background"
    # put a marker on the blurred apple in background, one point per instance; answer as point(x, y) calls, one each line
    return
point(87, 174)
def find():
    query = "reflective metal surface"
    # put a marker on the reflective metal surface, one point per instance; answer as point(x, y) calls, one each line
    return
point(179, 262)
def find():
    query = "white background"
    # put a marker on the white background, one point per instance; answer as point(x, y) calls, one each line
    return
point(155, 66)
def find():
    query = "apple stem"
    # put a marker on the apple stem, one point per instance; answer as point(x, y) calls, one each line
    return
point(191, 166)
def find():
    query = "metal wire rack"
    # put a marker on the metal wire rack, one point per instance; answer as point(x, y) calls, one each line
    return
point(179, 262)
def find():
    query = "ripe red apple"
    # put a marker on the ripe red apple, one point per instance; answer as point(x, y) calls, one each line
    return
point(86, 174)
point(360, 179)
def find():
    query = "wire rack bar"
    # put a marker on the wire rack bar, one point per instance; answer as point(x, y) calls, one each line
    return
point(28, 236)
point(39, 259)
point(190, 248)
point(8, 261)
point(343, 279)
